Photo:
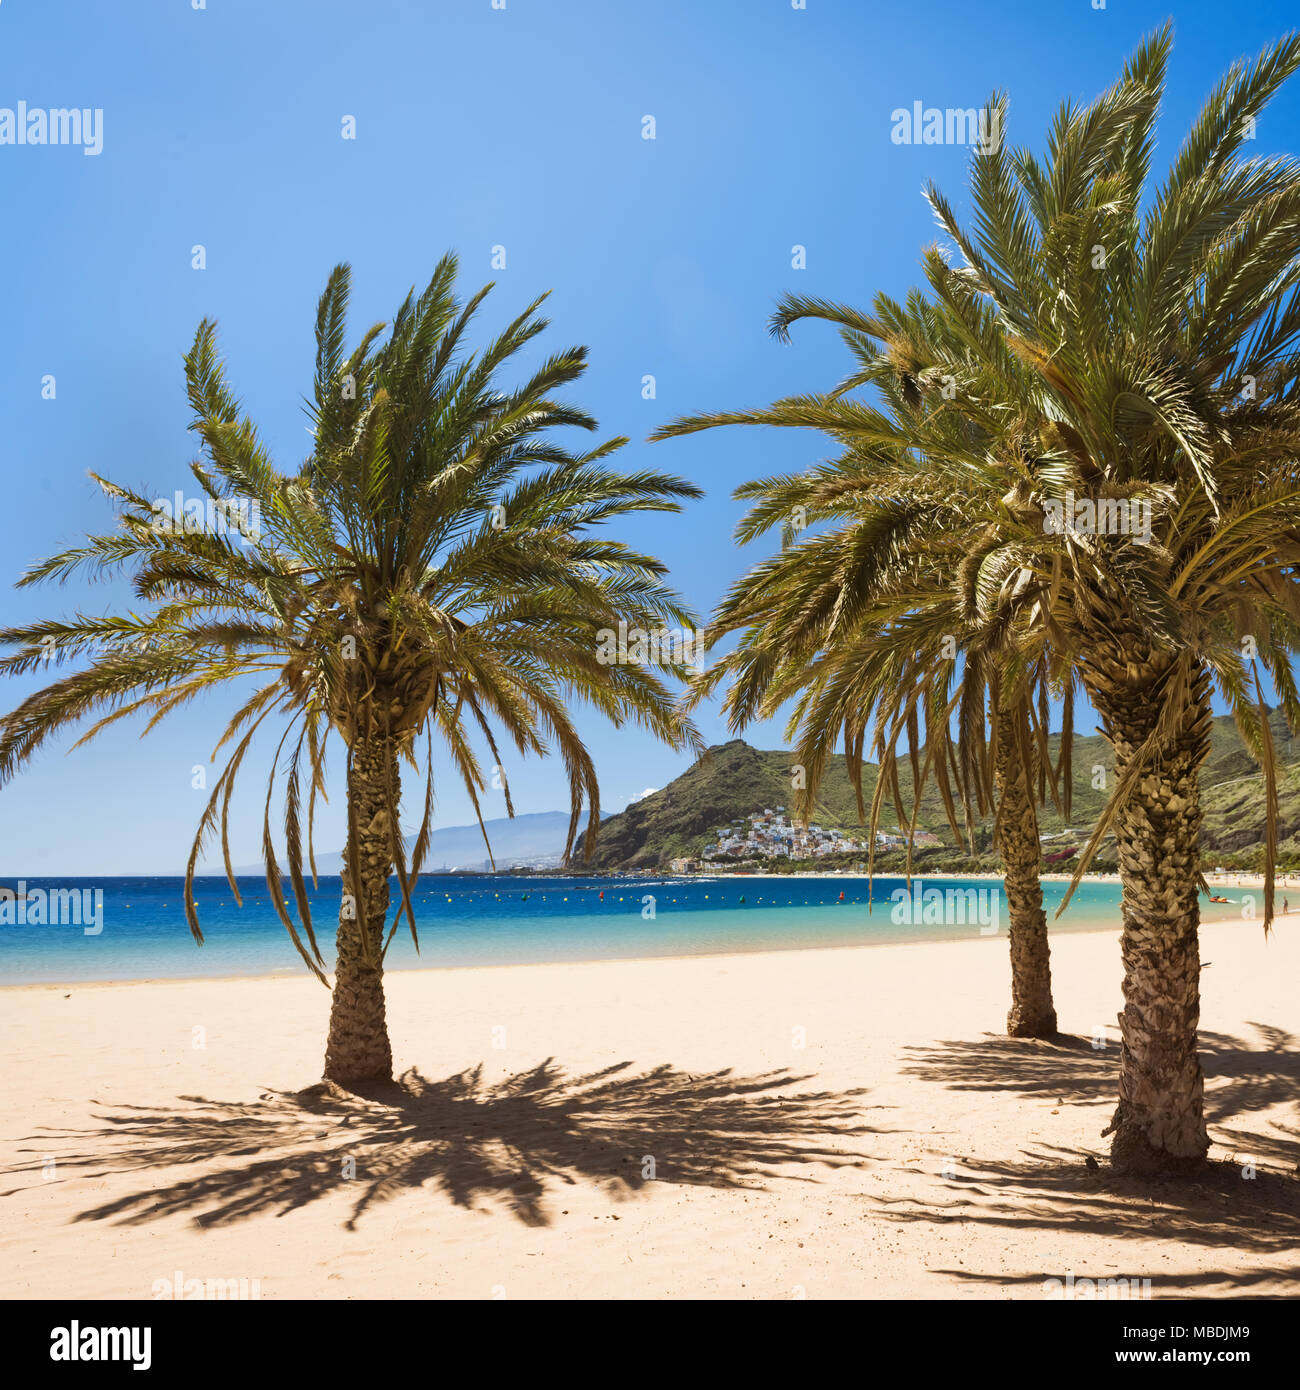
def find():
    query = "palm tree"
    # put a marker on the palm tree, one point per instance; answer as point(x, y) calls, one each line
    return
point(1122, 358)
point(1135, 359)
point(435, 567)
point(861, 625)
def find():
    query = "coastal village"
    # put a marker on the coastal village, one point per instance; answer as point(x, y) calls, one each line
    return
point(770, 834)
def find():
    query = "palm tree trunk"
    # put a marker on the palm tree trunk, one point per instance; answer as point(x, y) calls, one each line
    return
point(1159, 1124)
point(358, 1048)
point(1032, 1013)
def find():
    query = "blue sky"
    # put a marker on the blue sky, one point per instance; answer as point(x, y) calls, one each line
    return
point(475, 127)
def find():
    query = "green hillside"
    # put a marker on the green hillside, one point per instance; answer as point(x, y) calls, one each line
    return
point(733, 780)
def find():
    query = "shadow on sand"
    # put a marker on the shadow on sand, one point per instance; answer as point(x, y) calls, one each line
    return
point(1242, 1075)
point(472, 1138)
point(1237, 1205)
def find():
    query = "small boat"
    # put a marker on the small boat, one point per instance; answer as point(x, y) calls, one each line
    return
point(1220, 900)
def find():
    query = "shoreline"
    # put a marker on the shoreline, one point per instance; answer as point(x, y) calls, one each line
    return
point(1084, 929)
point(302, 973)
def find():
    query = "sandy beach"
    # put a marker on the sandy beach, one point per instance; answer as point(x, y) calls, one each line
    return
point(822, 1124)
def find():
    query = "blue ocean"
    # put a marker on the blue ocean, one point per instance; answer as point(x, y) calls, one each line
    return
point(139, 931)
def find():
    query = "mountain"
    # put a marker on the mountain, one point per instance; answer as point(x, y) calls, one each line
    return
point(536, 839)
point(732, 780)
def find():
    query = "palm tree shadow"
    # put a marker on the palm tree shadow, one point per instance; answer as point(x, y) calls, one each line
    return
point(1233, 1206)
point(1049, 1193)
point(475, 1140)
point(1242, 1075)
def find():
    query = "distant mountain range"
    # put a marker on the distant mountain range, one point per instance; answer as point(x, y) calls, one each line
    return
point(536, 839)
point(733, 780)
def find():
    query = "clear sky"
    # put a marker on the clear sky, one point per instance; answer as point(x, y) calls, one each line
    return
point(476, 127)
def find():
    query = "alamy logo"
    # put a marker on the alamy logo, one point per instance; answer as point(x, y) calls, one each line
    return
point(934, 907)
point(1100, 516)
point(77, 1343)
point(1070, 1288)
point(635, 646)
point(53, 126)
point(179, 1287)
point(951, 125)
point(207, 516)
point(54, 907)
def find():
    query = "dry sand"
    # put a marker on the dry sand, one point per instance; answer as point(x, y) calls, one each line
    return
point(800, 1108)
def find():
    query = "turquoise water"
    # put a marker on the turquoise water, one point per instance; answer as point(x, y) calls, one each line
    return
point(493, 921)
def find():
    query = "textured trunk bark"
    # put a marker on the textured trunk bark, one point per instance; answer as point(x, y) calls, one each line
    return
point(1159, 1125)
point(1032, 1014)
point(358, 1048)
